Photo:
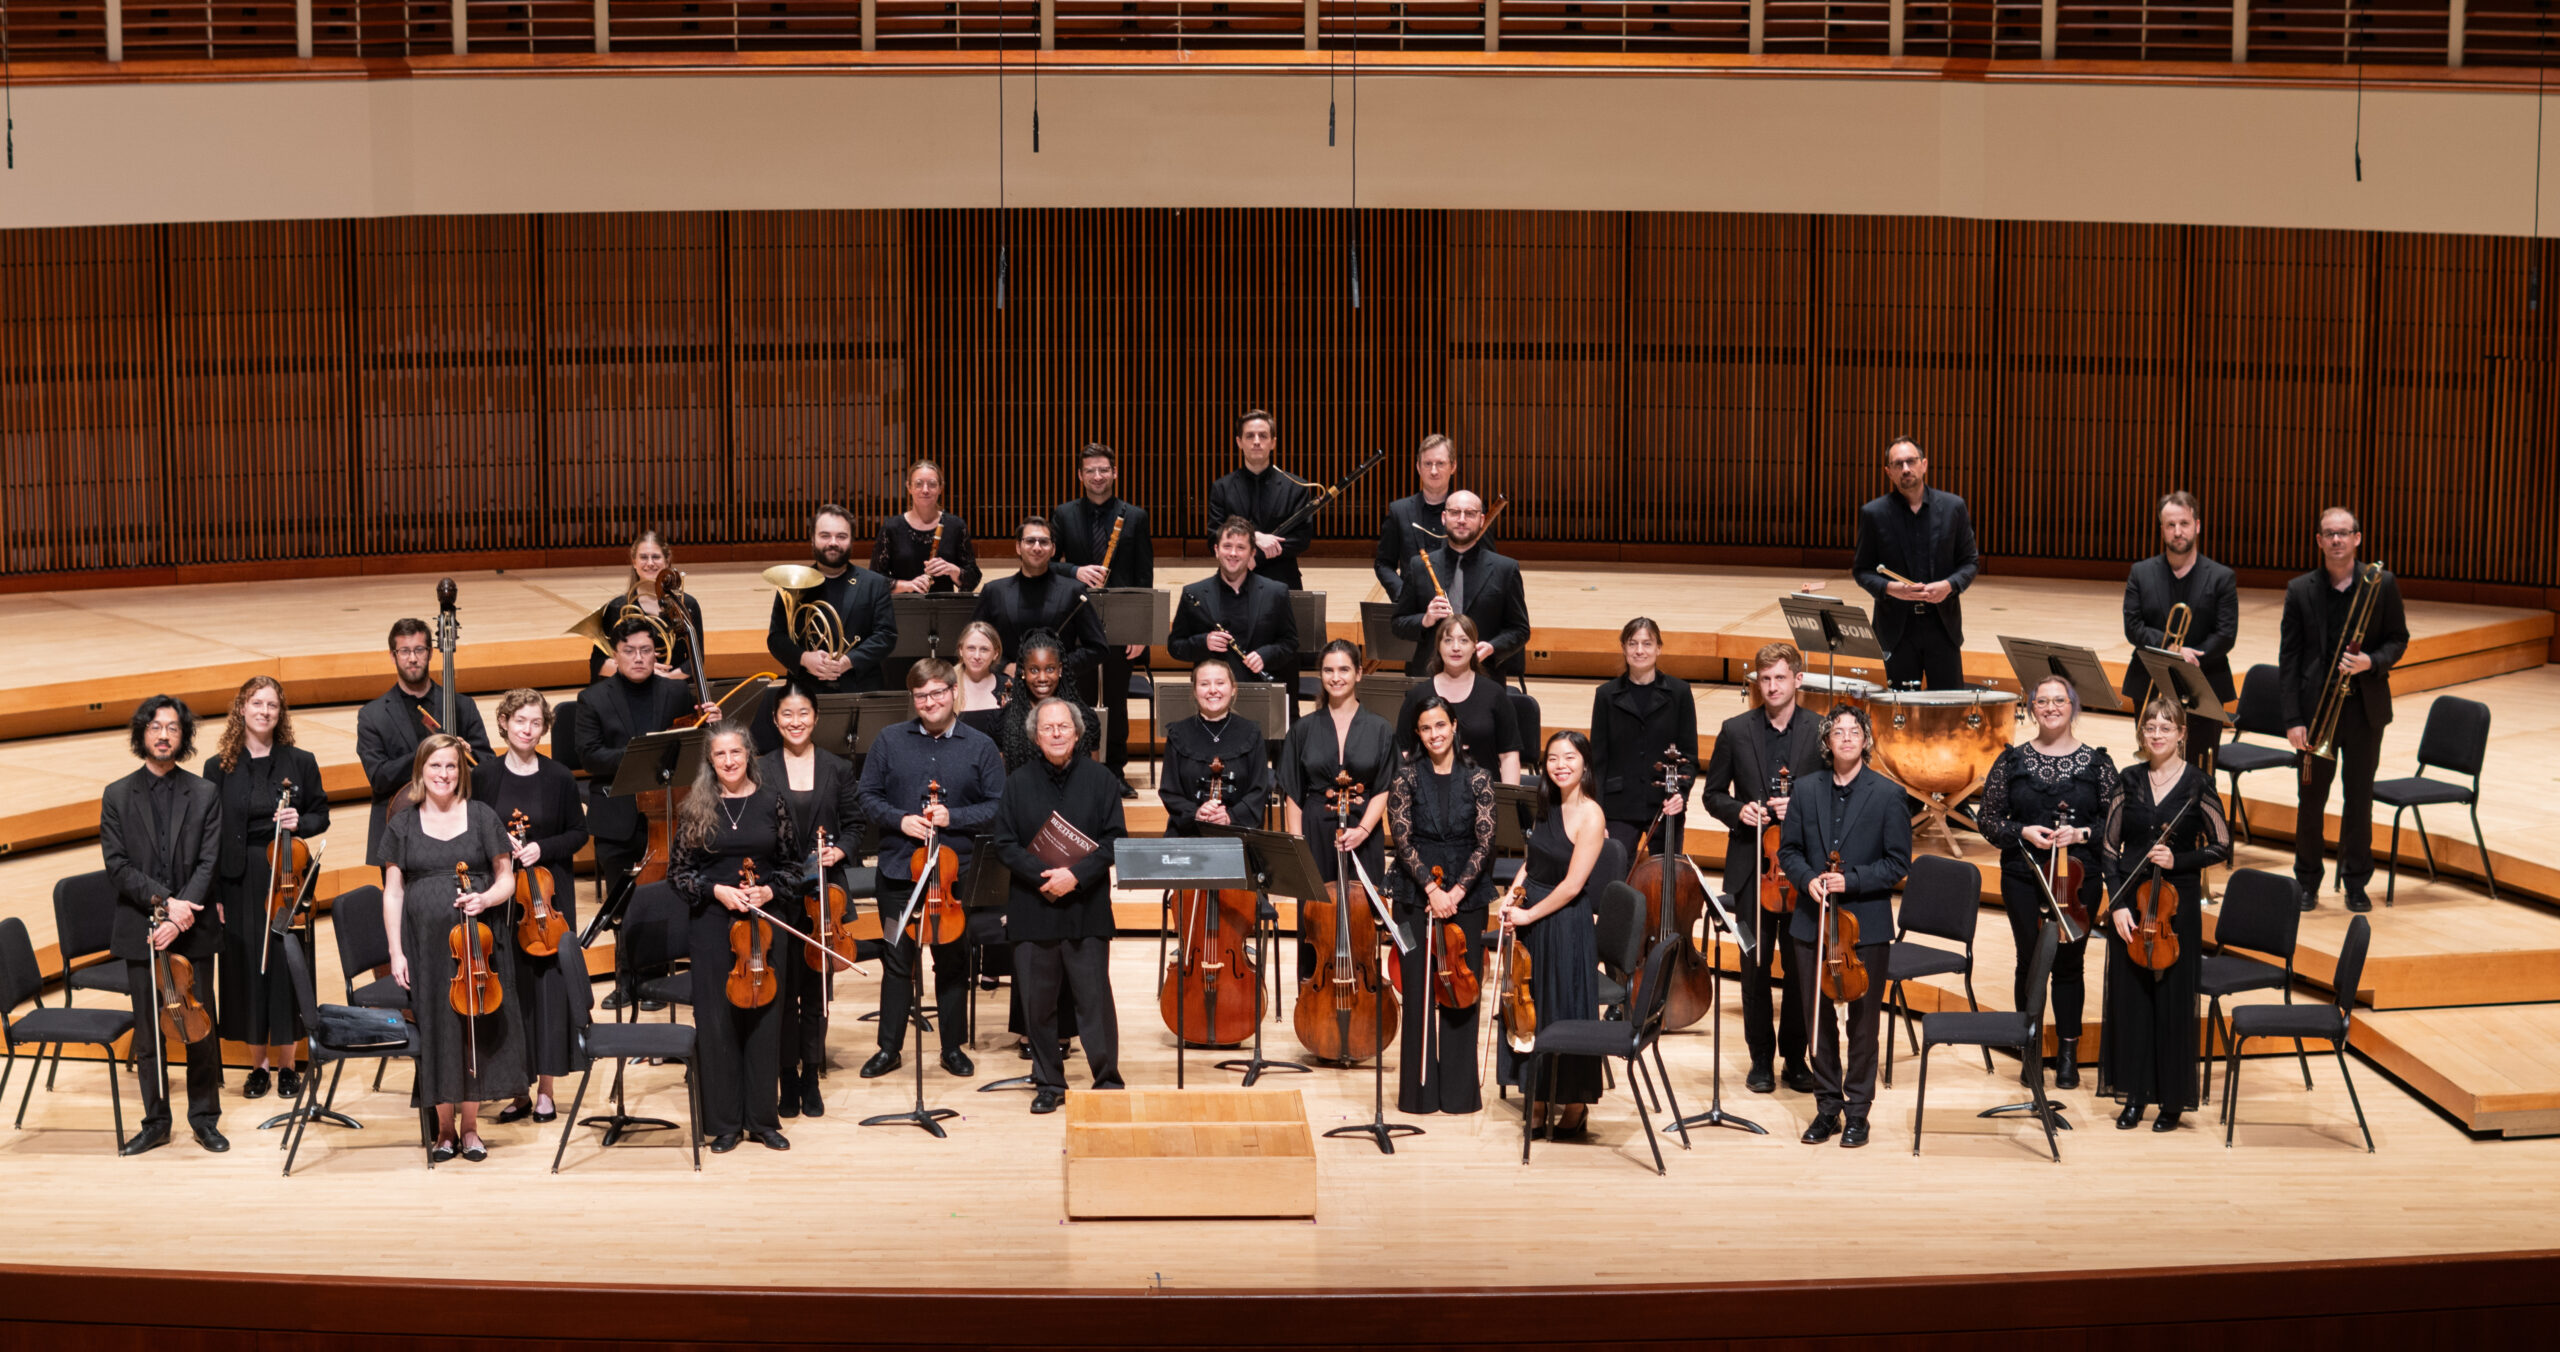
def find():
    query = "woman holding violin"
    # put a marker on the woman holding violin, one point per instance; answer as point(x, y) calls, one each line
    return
point(530, 787)
point(447, 876)
point(1845, 845)
point(1477, 702)
point(735, 850)
point(817, 786)
point(1557, 929)
point(924, 548)
point(2045, 795)
point(2166, 825)
point(1634, 718)
point(645, 591)
point(268, 785)
point(1440, 810)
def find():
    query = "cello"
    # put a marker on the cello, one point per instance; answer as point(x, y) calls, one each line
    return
point(1339, 1016)
point(539, 925)
point(1675, 899)
point(752, 981)
point(474, 990)
point(1214, 937)
point(288, 871)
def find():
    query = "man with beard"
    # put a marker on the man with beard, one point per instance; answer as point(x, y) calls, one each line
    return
point(1038, 597)
point(2178, 575)
point(861, 601)
point(1465, 577)
point(1916, 557)
point(160, 830)
point(389, 729)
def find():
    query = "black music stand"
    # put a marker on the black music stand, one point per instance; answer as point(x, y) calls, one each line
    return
point(869, 714)
point(651, 761)
point(1378, 635)
point(927, 620)
point(891, 927)
point(2185, 682)
point(1306, 610)
point(1140, 615)
point(1718, 917)
point(281, 925)
point(1281, 864)
point(1831, 627)
point(1378, 1128)
point(1185, 862)
point(1382, 693)
point(989, 887)
point(2033, 659)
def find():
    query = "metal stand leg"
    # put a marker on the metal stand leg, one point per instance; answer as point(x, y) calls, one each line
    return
point(931, 1119)
point(1267, 941)
point(1715, 1115)
point(1378, 1128)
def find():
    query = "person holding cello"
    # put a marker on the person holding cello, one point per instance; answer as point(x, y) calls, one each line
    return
point(2049, 792)
point(2165, 823)
point(159, 831)
point(267, 785)
point(1440, 813)
point(736, 850)
point(817, 785)
point(558, 998)
point(1740, 789)
point(1847, 842)
point(437, 850)
point(1058, 913)
point(932, 748)
point(1556, 928)
point(1340, 736)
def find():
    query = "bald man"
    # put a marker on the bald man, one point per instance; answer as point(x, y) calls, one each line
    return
point(1471, 580)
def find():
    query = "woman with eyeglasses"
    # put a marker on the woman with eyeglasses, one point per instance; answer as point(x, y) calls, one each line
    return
point(2051, 790)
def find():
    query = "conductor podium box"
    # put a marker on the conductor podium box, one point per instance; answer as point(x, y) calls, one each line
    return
point(1189, 1153)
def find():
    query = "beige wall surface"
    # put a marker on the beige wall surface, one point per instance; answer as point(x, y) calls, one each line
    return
point(2450, 161)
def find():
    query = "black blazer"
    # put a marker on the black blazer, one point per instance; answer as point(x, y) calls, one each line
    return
point(860, 598)
point(1411, 526)
point(605, 730)
point(387, 737)
point(1496, 600)
point(1083, 530)
point(1266, 500)
point(1874, 841)
point(2305, 646)
point(1270, 627)
point(2148, 594)
point(1625, 745)
point(1063, 610)
point(247, 827)
point(1088, 797)
point(1735, 775)
point(1952, 560)
point(181, 863)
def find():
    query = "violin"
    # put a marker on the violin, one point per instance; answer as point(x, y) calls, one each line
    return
point(1517, 1011)
point(1454, 984)
point(1214, 944)
point(2063, 877)
point(1339, 1017)
point(474, 990)
point(938, 917)
point(826, 915)
point(2154, 901)
point(539, 925)
point(288, 869)
point(173, 979)
point(1675, 900)
point(752, 981)
point(1777, 895)
point(1844, 978)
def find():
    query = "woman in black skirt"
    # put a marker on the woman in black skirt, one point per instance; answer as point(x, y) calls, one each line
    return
point(1635, 718)
point(251, 769)
point(727, 820)
point(1441, 811)
point(446, 865)
point(1557, 929)
point(1480, 707)
point(2149, 1053)
point(527, 785)
point(817, 785)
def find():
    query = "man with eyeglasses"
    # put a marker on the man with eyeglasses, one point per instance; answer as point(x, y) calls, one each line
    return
point(2317, 606)
point(934, 747)
point(1916, 557)
point(1472, 581)
point(389, 729)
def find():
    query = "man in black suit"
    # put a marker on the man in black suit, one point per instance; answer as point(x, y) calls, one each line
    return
point(860, 598)
point(1850, 810)
point(615, 709)
point(1474, 582)
point(1741, 789)
point(1040, 597)
point(1238, 614)
point(1265, 495)
point(2316, 611)
point(389, 729)
point(1413, 522)
point(160, 829)
point(1927, 537)
point(1083, 532)
point(2180, 574)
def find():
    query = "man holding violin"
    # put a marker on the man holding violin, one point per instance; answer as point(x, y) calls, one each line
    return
point(1847, 841)
point(934, 747)
point(160, 829)
point(1738, 788)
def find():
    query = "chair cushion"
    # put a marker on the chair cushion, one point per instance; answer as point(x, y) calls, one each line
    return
point(1988, 1028)
point(1906, 961)
point(664, 1041)
point(104, 976)
point(1585, 1037)
point(71, 1025)
point(347, 1028)
point(383, 994)
point(2419, 792)
point(862, 880)
point(1612, 991)
point(675, 990)
point(2320, 1021)
point(2229, 973)
point(2244, 757)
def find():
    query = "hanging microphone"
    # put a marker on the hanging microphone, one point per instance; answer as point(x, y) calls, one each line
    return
point(1000, 265)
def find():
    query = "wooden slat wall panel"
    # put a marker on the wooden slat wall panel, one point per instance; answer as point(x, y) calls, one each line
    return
point(820, 364)
point(83, 400)
point(1537, 356)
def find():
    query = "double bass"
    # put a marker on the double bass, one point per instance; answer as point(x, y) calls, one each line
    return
point(752, 981)
point(448, 641)
point(539, 925)
point(474, 990)
point(288, 872)
point(1674, 901)
point(1346, 1011)
point(1214, 950)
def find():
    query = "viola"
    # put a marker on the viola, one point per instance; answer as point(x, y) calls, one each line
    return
point(474, 990)
point(288, 869)
point(183, 1017)
point(1777, 895)
point(1844, 977)
point(938, 917)
point(2154, 902)
point(539, 925)
point(2063, 877)
point(1339, 1018)
point(1675, 901)
point(752, 981)
point(1213, 948)
point(826, 915)
point(1518, 1011)
point(1454, 984)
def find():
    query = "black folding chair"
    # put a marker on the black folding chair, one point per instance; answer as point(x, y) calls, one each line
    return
point(2022, 1030)
point(337, 1034)
point(2329, 1023)
point(363, 945)
point(40, 1028)
point(2259, 913)
point(2262, 712)
point(653, 941)
point(1942, 899)
point(1629, 1039)
point(2455, 740)
point(84, 918)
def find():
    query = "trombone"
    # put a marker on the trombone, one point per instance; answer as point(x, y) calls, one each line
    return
point(2173, 634)
point(815, 625)
point(2323, 732)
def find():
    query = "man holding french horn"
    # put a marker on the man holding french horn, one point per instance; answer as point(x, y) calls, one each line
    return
point(832, 622)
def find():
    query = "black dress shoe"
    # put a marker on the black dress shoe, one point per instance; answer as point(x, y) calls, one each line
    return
point(2308, 896)
point(212, 1140)
point(289, 1083)
point(881, 1063)
point(1799, 1079)
point(2131, 1117)
point(1824, 1127)
point(612, 1000)
point(1023, 1050)
point(475, 1152)
point(1855, 1134)
point(652, 1006)
point(550, 1114)
point(787, 1104)
point(811, 1101)
point(957, 1062)
point(1761, 1080)
point(256, 1086)
point(147, 1139)
point(771, 1139)
point(2358, 901)
point(723, 1143)
point(515, 1112)
point(1048, 1100)
point(1127, 790)
point(444, 1151)
point(2168, 1120)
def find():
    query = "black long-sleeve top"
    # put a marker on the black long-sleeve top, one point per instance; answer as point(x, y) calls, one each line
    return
point(2135, 818)
point(902, 762)
point(614, 711)
point(1486, 727)
point(159, 836)
point(1429, 812)
point(2211, 595)
point(1258, 616)
point(1865, 822)
point(555, 820)
point(388, 731)
point(861, 600)
point(1051, 600)
point(2029, 788)
point(1189, 746)
point(828, 803)
point(1486, 587)
point(1087, 795)
point(901, 550)
point(1632, 725)
point(2315, 615)
point(1266, 500)
point(681, 656)
point(1082, 529)
point(763, 833)
point(1411, 526)
point(1014, 739)
point(249, 795)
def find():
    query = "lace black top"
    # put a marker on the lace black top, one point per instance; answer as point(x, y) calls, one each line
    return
point(2030, 788)
point(1444, 819)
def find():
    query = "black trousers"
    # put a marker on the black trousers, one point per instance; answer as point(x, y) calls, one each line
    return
point(2022, 898)
point(737, 1052)
point(203, 1059)
point(1113, 700)
point(1783, 1034)
point(1856, 1091)
point(898, 987)
point(802, 1007)
point(1925, 653)
point(2359, 755)
point(1045, 970)
point(1450, 1051)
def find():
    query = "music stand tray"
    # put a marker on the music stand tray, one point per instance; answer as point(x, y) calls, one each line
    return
point(1382, 693)
point(1378, 633)
point(657, 760)
point(874, 712)
point(1282, 865)
point(1511, 829)
point(931, 621)
point(1180, 863)
point(1133, 615)
point(2034, 659)
point(1833, 627)
point(1307, 608)
point(2185, 681)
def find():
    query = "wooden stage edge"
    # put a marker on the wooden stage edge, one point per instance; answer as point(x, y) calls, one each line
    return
point(2388, 1301)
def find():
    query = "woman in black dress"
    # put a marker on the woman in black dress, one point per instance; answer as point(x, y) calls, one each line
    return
point(650, 560)
point(1217, 735)
point(1043, 660)
point(1337, 737)
point(540, 791)
point(906, 553)
point(1487, 735)
point(727, 820)
point(1634, 719)
point(2149, 1053)
point(2052, 790)
point(817, 786)
point(251, 768)
point(1557, 929)
point(445, 865)
point(1441, 810)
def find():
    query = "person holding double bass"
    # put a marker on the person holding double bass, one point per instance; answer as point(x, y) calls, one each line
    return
point(251, 768)
point(1740, 789)
point(160, 833)
point(730, 822)
point(2052, 789)
point(1847, 841)
point(2165, 822)
point(389, 729)
point(1058, 914)
point(817, 785)
point(1440, 813)
point(558, 997)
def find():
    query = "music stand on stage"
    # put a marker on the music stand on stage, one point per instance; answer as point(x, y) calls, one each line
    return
point(849, 724)
point(990, 885)
point(1282, 865)
point(1382, 693)
point(1181, 862)
point(1140, 615)
point(2186, 683)
point(1378, 1128)
point(651, 761)
point(1719, 917)
point(2034, 659)
point(1378, 635)
point(928, 620)
point(1831, 627)
point(892, 930)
